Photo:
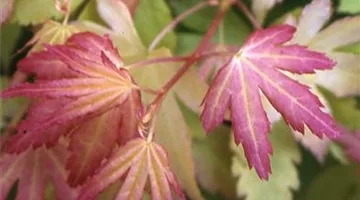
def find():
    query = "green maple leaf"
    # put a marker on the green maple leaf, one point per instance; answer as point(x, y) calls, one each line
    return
point(235, 28)
point(212, 156)
point(284, 177)
point(37, 11)
point(150, 18)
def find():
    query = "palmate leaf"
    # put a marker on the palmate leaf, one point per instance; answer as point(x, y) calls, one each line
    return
point(90, 143)
point(95, 139)
point(84, 91)
point(99, 84)
point(149, 23)
point(33, 169)
point(37, 11)
point(257, 67)
point(52, 33)
point(138, 159)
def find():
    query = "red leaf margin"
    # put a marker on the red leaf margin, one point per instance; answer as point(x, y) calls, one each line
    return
point(237, 85)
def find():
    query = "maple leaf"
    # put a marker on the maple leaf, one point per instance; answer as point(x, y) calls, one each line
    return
point(52, 33)
point(99, 85)
point(88, 94)
point(33, 169)
point(138, 159)
point(24, 11)
point(95, 139)
point(257, 67)
point(212, 163)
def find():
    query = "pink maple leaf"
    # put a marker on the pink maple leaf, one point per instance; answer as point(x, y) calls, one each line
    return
point(258, 67)
point(95, 139)
point(90, 82)
point(137, 160)
point(81, 90)
point(33, 169)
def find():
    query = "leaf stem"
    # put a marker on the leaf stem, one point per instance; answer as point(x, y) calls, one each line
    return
point(176, 21)
point(192, 59)
point(248, 14)
point(67, 11)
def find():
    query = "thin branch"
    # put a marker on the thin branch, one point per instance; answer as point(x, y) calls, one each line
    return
point(177, 59)
point(176, 21)
point(192, 59)
point(204, 43)
point(248, 14)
